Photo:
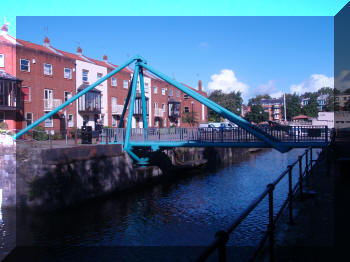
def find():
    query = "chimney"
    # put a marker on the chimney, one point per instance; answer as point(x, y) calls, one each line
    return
point(79, 51)
point(46, 41)
point(4, 29)
point(199, 85)
point(105, 58)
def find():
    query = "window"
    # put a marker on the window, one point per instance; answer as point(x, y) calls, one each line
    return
point(155, 104)
point(49, 122)
point(114, 81)
point(26, 93)
point(163, 107)
point(177, 93)
point(70, 120)
point(155, 89)
point(24, 65)
point(85, 76)
point(185, 96)
point(47, 69)
point(170, 92)
point(114, 120)
point(163, 91)
point(125, 84)
point(67, 96)
point(99, 76)
point(2, 60)
point(2, 117)
point(146, 88)
point(67, 73)
point(187, 109)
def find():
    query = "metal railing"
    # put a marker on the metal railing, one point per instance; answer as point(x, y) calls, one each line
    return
point(117, 109)
point(50, 104)
point(222, 236)
point(236, 134)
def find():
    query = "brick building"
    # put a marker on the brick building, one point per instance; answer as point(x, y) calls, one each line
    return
point(50, 76)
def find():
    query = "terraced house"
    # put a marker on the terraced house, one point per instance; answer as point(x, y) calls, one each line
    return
point(45, 76)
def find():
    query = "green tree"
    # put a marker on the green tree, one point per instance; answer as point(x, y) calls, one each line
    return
point(190, 118)
point(258, 98)
point(311, 109)
point(293, 106)
point(231, 101)
point(257, 114)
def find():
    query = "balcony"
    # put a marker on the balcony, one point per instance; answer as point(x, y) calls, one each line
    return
point(159, 112)
point(50, 104)
point(117, 109)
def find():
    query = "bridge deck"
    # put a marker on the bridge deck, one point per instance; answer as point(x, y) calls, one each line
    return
point(291, 136)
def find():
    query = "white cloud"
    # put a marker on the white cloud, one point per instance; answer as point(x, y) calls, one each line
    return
point(268, 88)
point(312, 84)
point(203, 45)
point(226, 81)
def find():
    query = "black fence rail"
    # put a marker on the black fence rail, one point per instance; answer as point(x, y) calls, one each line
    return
point(222, 236)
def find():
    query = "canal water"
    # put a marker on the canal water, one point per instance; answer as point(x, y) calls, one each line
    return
point(185, 212)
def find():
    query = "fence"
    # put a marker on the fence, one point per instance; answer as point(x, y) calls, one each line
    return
point(235, 134)
point(222, 236)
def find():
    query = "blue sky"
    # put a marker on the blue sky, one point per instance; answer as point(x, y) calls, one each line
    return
point(251, 54)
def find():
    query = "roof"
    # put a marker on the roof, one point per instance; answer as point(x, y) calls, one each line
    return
point(7, 76)
point(300, 117)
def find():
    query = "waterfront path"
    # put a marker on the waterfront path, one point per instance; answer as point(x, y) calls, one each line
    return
point(321, 230)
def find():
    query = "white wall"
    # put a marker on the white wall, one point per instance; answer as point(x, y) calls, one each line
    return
point(92, 77)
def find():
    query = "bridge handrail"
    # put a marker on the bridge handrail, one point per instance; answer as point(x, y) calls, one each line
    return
point(222, 236)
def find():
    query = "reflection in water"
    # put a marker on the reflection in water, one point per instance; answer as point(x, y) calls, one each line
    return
point(184, 213)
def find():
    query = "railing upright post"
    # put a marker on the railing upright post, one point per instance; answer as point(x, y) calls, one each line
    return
point(290, 195)
point(300, 176)
point(310, 160)
point(307, 167)
point(271, 225)
point(107, 136)
point(326, 134)
point(50, 141)
point(223, 238)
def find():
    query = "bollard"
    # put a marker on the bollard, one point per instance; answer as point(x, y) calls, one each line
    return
point(223, 238)
point(271, 226)
point(290, 195)
point(300, 176)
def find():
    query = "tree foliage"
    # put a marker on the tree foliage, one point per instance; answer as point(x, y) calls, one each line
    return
point(231, 101)
point(293, 106)
point(257, 114)
point(190, 118)
point(311, 109)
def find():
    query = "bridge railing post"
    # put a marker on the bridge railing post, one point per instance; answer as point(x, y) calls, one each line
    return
point(223, 237)
point(306, 167)
point(271, 225)
point(300, 176)
point(290, 195)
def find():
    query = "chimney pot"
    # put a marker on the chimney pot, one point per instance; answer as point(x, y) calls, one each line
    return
point(200, 85)
point(79, 50)
point(46, 41)
point(105, 58)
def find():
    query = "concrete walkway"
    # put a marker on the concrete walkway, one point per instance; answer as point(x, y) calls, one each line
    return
point(322, 221)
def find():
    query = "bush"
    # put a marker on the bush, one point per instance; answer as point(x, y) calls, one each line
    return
point(39, 133)
point(72, 132)
point(3, 125)
point(57, 136)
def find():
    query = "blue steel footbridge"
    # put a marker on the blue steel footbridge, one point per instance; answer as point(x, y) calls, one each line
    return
point(281, 138)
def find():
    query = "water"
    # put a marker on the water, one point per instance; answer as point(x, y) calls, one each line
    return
point(187, 212)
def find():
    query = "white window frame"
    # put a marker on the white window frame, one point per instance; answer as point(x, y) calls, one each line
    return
point(48, 121)
point(114, 120)
point(177, 93)
point(171, 92)
point(20, 65)
point(188, 109)
point(50, 72)
point(2, 60)
point(163, 107)
point(83, 76)
point(31, 118)
point(163, 91)
point(114, 81)
point(69, 74)
point(125, 84)
point(70, 123)
point(155, 89)
point(68, 97)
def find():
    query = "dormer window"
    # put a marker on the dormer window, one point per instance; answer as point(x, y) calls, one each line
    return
point(47, 69)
